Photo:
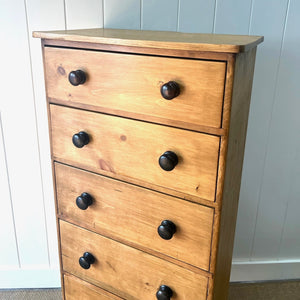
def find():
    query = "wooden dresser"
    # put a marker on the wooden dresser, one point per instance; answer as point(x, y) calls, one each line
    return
point(147, 136)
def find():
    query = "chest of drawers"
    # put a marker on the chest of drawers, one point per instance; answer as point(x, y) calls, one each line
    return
point(147, 135)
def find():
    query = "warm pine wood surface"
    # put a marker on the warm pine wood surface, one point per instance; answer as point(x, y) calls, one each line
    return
point(154, 39)
point(133, 214)
point(126, 271)
point(241, 95)
point(108, 89)
point(220, 56)
point(131, 149)
point(76, 289)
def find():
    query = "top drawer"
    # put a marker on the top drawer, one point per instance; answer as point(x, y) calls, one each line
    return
point(129, 85)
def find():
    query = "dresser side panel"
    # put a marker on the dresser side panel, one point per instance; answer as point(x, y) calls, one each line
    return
point(241, 95)
point(53, 181)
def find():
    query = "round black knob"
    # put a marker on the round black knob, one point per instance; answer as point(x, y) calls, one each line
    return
point(170, 90)
point(80, 139)
point(164, 293)
point(84, 201)
point(77, 77)
point(168, 161)
point(86, 260)
point(166, 229)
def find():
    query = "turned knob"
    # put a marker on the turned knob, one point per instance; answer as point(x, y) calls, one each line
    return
point(86, 260)
point(77, 77)
point(166, 229)
point(168, 161)
point(164, 293)
point(80, 139)
point(84, 201)
point(170, 90)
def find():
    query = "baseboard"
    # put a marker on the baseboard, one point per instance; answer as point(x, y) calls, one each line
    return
point(265, 270)
point(15, 278)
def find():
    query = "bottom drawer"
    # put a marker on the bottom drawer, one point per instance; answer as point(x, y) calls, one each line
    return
point(125, 271)
point(76, 289)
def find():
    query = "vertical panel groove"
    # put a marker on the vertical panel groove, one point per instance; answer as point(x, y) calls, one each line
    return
point(269, 129)
point(141, 13)
point(284, 223)
point(103, 13)
point(65, 14)
point(281, 50)
point(215, 16)
point(250, 17)
point(36, 133)
point(178, 14)
point(9, 190)
point(102, 4)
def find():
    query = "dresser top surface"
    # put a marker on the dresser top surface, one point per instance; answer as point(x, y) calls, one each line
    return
point(156, 39)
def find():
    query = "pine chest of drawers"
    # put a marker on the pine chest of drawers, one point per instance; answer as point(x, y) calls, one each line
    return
point(147, 134)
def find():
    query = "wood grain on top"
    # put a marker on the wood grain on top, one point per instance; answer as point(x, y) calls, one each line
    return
point(155, 39)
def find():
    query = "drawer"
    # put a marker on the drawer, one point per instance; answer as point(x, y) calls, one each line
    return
point(127, 84)
point(130, 150)
point(125, 271)
point(133, 214)
point(77, 289)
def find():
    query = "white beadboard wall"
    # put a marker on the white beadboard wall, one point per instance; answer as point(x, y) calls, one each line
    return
point(267, 244)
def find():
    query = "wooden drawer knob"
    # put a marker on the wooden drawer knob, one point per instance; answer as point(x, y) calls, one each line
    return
point(80, 139)
point(170, 90)
point(86, 260)
point(84, 201)
point(168, 161)
point(166, 229)
point(164, 293)
point(77, 77)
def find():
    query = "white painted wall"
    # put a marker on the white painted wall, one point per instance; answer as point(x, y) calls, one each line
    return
point(267, 244)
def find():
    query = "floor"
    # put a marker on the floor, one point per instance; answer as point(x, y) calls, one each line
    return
point(278, 290)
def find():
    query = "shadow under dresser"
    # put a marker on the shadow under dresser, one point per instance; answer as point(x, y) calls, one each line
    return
point(147, 135)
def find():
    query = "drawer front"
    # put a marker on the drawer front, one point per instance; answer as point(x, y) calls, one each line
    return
point(126, 83)
point(125, 271)
point(77, 289)
point(131, 149)
point(134, 214)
